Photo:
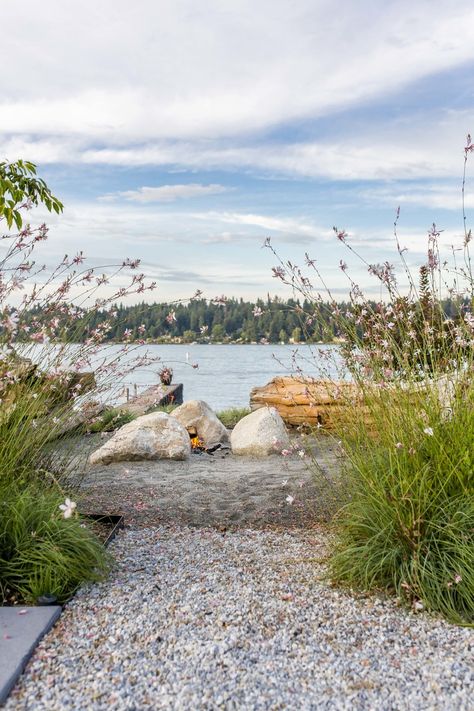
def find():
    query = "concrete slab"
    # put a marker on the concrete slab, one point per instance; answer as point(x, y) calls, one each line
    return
point(21, 628)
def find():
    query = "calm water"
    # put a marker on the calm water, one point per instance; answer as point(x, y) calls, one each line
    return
point(227, 373)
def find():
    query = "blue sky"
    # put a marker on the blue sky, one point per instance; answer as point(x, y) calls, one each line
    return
point(185, 133)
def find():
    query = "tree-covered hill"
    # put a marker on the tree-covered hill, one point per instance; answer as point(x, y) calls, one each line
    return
point(204, 321)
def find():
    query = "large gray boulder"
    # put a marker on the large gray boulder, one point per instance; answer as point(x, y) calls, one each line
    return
point(153, 436)
point(259, 434)
point(198, 415)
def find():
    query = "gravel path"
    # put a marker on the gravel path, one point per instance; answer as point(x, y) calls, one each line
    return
point(196, 619)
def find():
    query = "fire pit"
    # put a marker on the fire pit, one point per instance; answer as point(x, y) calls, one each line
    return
point(197, 445)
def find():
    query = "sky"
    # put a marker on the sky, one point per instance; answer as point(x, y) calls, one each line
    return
point(184, 133)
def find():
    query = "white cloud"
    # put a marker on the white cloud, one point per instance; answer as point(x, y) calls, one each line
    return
point(184, 251)
point(392, 152)
point(116, 74)
point(261, 88)
point(166, 193)
point(436, 196)
point(293, 228)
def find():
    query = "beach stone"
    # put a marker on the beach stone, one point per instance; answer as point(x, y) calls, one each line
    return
point(259, 434)
point(153, 436)
point(198, 415)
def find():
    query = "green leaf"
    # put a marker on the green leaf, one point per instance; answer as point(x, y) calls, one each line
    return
point(18, 219)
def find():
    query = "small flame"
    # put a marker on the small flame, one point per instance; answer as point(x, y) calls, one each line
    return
point(197, 443)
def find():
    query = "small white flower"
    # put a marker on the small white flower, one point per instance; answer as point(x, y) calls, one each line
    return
point(301, 453)
point(428, 431)
point(284, 482)
point(68, 508)
point(399, 445)
point(285, 452)
point(289, 499)
point(418, 606)
point(457, 579)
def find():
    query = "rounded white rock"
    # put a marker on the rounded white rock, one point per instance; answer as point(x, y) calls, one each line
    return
point(260, 434)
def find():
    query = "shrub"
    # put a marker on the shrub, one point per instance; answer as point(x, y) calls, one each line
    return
point(110, 419)
point(231, 416)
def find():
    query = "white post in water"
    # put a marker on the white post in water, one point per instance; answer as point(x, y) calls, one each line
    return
point(135, 389)
point(128, 394)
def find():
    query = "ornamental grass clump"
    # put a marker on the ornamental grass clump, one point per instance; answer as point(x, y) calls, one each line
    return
point(54, 371)
point(407, 523)
point(45, 547)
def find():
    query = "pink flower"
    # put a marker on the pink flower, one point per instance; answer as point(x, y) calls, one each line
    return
point(219, 300)
point(278, 272)
point(79, 258)
point(11, 322)
point(132, 263)
point(340, 234)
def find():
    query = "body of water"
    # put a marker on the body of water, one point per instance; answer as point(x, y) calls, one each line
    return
point(226, 373)
point(224, 376)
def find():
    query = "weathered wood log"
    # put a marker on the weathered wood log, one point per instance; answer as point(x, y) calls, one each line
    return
point(152, 397)
point(306, 401)
point(301, 400)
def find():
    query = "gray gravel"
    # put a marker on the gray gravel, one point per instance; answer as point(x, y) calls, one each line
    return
point(197, 619)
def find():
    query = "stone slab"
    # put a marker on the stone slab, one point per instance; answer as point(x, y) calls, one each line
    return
point(21, 628)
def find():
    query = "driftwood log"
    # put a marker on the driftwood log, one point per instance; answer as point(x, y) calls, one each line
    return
point(153, 397)
point(306, 401)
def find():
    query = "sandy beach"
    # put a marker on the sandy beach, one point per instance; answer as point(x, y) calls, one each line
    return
point(213, 490)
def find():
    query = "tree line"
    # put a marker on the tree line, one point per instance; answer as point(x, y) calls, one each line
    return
point(272, 320)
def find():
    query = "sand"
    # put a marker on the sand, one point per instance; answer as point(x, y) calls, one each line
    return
point(222, 490)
